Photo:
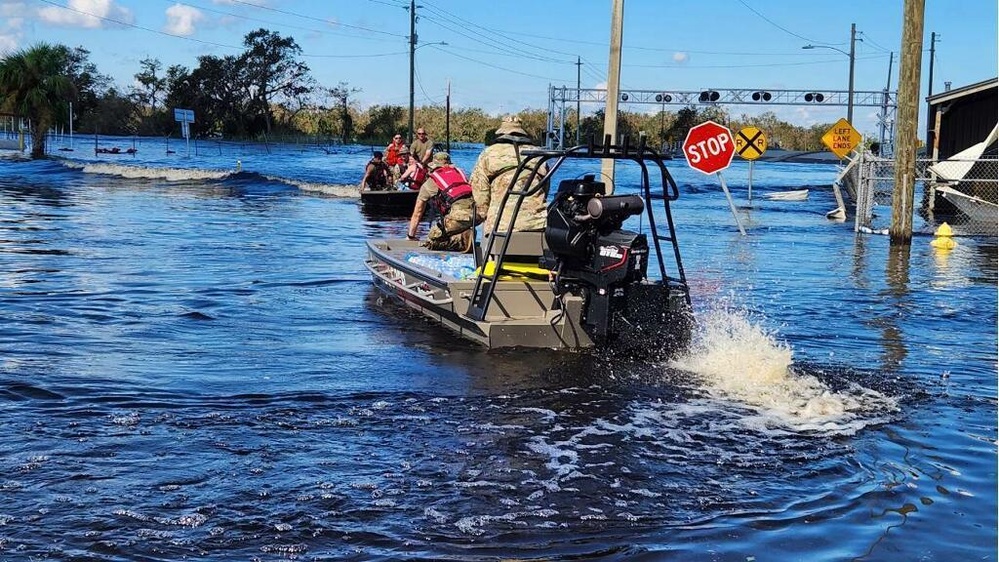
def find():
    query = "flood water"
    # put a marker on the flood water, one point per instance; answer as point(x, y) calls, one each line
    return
point(193, 365)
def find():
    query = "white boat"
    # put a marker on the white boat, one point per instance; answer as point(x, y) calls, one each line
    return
point(980, 211)
point(582, 282)
point(793, 195)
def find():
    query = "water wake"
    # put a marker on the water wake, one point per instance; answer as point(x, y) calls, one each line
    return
point(144, 172)
point(235, 175)
point(737, 360)
point(334, 189)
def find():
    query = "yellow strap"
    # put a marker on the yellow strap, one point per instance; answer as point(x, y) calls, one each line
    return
point(516, 270)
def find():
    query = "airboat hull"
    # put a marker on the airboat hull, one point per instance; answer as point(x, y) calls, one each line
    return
point(522, 315)
point(580, 283)
point(525, 311)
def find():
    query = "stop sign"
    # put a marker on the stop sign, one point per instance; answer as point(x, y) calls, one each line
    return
point(709, 147)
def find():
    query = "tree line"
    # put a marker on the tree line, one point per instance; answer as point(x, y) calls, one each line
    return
point(266, 92)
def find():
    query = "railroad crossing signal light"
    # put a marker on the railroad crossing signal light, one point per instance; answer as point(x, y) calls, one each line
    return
point(664, 98)
point(709, 95)
point(762, 96)
point(814, 96)
point(624, 97)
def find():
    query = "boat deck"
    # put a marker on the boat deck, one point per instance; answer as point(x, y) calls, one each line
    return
point(439, 285)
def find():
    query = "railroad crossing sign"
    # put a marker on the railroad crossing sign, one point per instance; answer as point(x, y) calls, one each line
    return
point(841, 138)
point(708, 147)
point(750, 143)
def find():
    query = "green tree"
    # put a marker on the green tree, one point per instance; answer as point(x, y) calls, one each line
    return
point(115, 114)
point(221, 101)
point(341, 96)
point(148, 93)
point(383, 121)
point(685, 120)
point(273, 72)
point(34, 85)
point(90, 86)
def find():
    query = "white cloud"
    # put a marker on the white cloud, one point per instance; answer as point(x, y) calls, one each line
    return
point(11, 24)
point(680, 58)
point(182, 19)
point(86, 13)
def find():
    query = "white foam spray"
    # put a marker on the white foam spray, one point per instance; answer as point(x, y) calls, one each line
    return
point(143, 172)
point(737, 360)
point(334, 189)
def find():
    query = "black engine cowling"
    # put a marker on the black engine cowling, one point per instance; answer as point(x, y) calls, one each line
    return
point(590, 254)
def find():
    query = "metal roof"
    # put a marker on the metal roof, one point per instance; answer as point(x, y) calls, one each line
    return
point(963, 91)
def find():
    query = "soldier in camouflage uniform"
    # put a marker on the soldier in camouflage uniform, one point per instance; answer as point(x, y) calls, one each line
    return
point(491, 178)
point(453, 231)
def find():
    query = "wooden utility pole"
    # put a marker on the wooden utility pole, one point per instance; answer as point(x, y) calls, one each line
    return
point(412, 65)
point(908, 122)
point(579, 82)
point(613, 87)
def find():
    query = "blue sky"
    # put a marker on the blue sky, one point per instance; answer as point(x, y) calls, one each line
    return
point(501, 55)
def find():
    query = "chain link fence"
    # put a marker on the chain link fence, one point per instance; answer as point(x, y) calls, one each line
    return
point(962, 193)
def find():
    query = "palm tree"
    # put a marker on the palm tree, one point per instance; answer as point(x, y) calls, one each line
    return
point(33, 84)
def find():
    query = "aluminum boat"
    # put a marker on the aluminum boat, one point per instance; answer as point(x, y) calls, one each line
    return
point(582, 282)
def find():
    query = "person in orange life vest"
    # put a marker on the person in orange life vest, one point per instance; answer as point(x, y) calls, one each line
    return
point(392, 150)
point(399, 169)
point(448, 190)
point(415, 174)
point(376, 174)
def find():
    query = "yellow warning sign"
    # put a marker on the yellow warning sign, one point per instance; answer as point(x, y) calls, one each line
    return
point(750, 143)
point(841, 138)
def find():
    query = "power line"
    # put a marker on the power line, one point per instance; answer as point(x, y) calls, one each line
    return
point(506, 48)
point(132, 25)
point(272, 23)
point(484, 63)
point(767, 65)
point(507, 39)
point(425, 94)
point(303, 16)
point(202, 41)
point(775, 24)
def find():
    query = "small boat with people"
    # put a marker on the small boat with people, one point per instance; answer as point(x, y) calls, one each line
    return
point(584, 281)
point(389, 202)
point(382, 192)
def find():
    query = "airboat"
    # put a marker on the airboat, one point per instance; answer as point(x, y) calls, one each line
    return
point(583, 282)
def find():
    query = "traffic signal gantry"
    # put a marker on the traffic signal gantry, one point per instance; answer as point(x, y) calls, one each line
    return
point(559, 96)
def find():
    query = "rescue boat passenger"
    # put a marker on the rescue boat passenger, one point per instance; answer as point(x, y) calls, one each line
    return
point(392, 150)
point(399, 168)
point(422, 147)
point(450, 192)
point(376, 174)
point(415, 174)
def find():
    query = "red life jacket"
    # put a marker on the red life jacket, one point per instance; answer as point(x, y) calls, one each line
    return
point(453, 185)
point(392, 154)
point(418, 177)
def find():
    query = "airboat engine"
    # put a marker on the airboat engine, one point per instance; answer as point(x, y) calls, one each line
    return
point(589, 253)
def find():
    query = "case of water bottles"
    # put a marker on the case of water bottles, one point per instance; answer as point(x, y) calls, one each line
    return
point(458, 266)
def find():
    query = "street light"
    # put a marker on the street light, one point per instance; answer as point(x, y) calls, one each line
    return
point(852, 55)
point(412, 73)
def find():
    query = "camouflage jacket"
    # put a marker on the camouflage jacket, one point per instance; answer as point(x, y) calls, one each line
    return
point(491, 178)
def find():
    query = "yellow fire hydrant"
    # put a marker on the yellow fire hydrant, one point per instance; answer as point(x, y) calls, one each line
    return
point(944, 238)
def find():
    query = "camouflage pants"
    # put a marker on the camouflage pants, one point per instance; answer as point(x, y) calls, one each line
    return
point(456, 234)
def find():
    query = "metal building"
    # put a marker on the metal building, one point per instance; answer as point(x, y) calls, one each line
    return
point(960, 127)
